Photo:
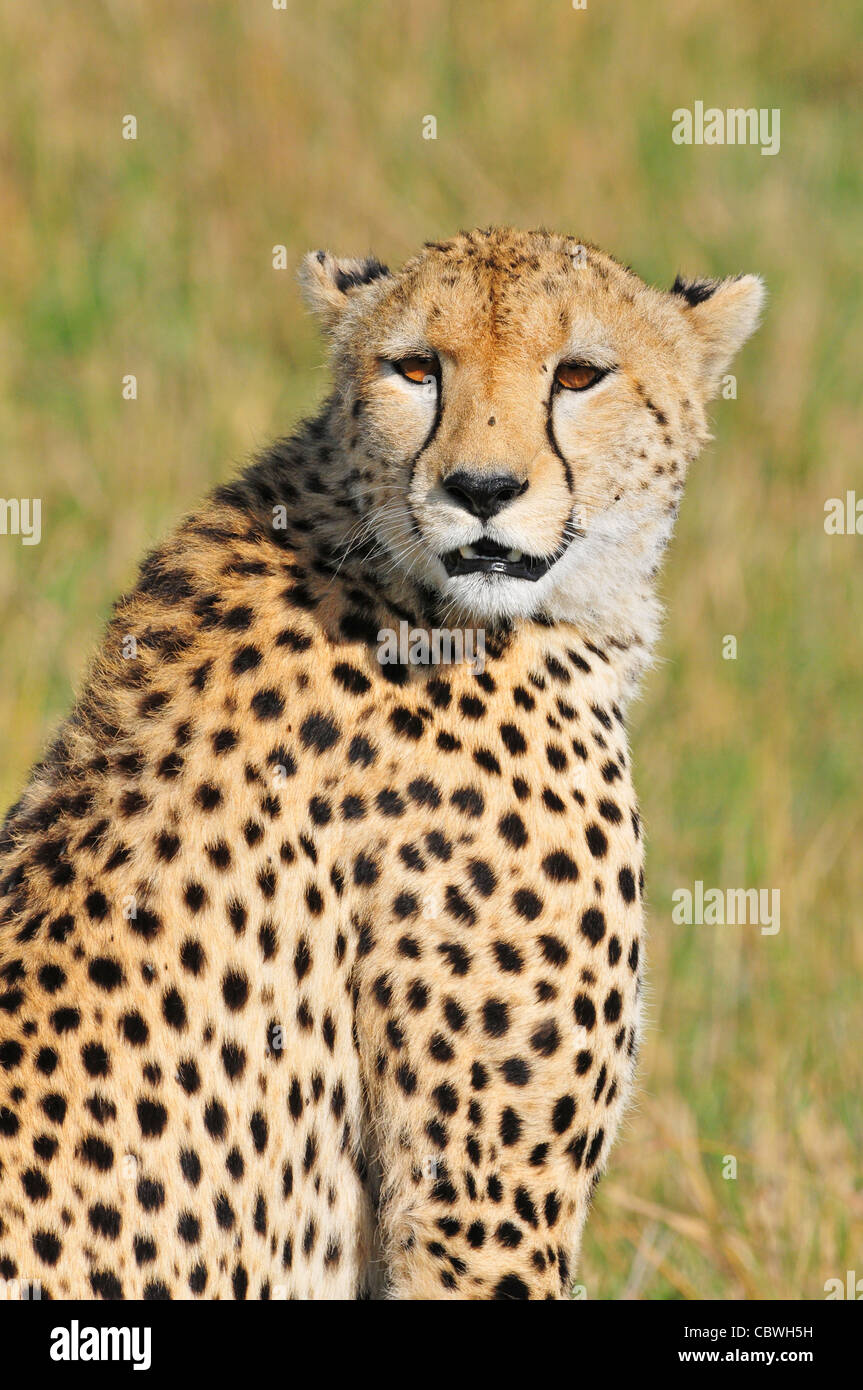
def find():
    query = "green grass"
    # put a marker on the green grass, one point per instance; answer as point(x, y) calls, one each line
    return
point(258, 127)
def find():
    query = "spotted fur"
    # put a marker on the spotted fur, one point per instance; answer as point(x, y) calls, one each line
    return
point(320, 977)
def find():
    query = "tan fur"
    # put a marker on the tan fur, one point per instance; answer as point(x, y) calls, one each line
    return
point(321, 978)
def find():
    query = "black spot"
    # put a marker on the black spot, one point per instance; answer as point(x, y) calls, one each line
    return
point(11, 1053)
point(440, 693)
point(47, 1246)
point(267, 704)
point(66, 1020)
point(508, 957)
point(365, 871)
point(389, 803)
point(495, 1016)
point(516, 1071)
point(596, 841)
point(35, 1185)
point(612, 1006)
point(593, 925)
point(174, 1010)
point(233, 1060)
point(106, 973)
point(208, 797)
point(457, 957)
point(527, 904)
point(319, 732)
point(151, 1194)
point(555, 952)
point(510, 1127)
point(585, 1013)
point(135, 1029)
point(406, 1078)
point(194, 896)
point(458, 906)
point(104, 1221)
point(595, 1147)
point(189, 1076)
point(510, 1287)
point(215, 1119)
point(469, 801)
point(51, 978)
point(563, 1114)
point(224, 1212)
point(9, 1123)
point(235, 990)
point(545, 1039)
point(626, 883)
point(145, 923)
point(54, 1107)
point(511, 829)
point(440, 1049)
point(361, 751)
point(513, 739)
point(145, 1250)
point(424, 792)
point(405, 723)
point(560, 867)
point(97, 906)
point(192, 956)
point(152, 1117)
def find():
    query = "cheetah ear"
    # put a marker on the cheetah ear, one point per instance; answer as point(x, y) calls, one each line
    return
point(328, 283)
point(722, 314)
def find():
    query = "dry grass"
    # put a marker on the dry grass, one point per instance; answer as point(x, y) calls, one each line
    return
point(258, 127)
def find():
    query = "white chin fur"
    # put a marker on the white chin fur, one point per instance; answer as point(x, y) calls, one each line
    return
point(601, 582)
point(495, 597)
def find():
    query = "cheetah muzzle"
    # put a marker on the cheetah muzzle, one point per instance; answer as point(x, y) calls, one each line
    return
point(321, 973)
point(486, 557)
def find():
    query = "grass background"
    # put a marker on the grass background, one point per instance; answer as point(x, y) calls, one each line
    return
point(259, 127)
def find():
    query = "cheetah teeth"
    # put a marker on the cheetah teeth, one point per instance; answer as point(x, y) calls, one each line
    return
point(467, 552)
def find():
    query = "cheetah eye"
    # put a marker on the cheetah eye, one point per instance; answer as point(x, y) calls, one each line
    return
point(578, 376)
point(418, 369)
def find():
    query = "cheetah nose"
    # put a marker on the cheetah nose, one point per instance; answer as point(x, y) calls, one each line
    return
point(483, 494)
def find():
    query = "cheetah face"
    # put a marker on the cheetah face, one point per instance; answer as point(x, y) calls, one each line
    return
point(520, 411)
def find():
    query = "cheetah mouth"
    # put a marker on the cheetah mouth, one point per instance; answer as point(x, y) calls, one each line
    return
point(487, 557)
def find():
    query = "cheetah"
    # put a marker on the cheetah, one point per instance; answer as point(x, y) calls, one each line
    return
point(321, 973)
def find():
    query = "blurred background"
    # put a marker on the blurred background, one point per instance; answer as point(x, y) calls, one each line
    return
point(303, 127)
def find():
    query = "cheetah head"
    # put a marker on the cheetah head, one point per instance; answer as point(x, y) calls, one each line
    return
point(518, 411)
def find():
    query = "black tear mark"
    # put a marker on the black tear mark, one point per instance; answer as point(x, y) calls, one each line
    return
point(552, 439)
